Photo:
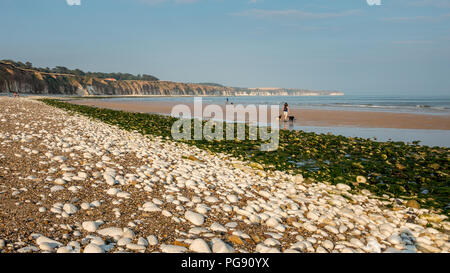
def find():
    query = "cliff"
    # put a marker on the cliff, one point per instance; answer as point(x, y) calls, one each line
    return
point(15, 79)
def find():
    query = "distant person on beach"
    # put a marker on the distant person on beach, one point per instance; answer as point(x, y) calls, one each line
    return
point(286, 111)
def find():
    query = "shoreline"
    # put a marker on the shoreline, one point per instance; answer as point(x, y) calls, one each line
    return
point(304, 117)
point(90, 181)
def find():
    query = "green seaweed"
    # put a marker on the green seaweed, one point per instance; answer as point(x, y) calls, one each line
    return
point(393, 168)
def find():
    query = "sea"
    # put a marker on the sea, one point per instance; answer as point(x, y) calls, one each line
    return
point(433, 105)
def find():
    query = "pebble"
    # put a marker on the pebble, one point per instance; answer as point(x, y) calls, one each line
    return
point(152, 240)
point(110, 232)
point(195, 218)
point(124, 241)
point(70, 209)
point(172, 249)
point(328, 244)
point(218, 227)
point(232, 198)
point(136, 247)
point(142, 241)
point(343, 187)
point(219, 246)
point(199, 246)
point(93, 248)
point(56, 188)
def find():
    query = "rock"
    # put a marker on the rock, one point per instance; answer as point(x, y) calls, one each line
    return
point(172, 249)
point(150, 207)
point(27, 249)
point(85, 206)
point(235, 240)
point(142, 241)
point(49, 242)
point(199, 246)
point(261, 248)
point(195, 218)
point(392, 250)
point(343, 187)
point(136, 247)
point(111, 232)
point(64, 250)
point(312, 216)
point(89, 226)
point(47, 246)
point(434, 218)
point(112, 191)
point(110, 180)
point(395, 239)
point(93, 248)
point(328, 245)
point(298, 179)
point(373, 246)
point(124, 241)
point(152, 240)
point(357, 243)
point(124, 195)
point(128, 233)
point(219, 246)
point(59, 181)
point(386, 228)
point(347, 250)
point(427, 248)
point(309, 227)
point(211, 199)
point(42, 209)
point(361, 179)
point(272, 222)
point(413, 204)
point(291, 251)
point(218, 227)
point(331, 229)
point(271, 242)
point(232, 198)
point(95, 204)
point(56, 188)
point(321, 250)
point(166, 213)
point(70, 209)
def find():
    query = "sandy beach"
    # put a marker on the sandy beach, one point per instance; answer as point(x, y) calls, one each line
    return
point(305, 117)
point(84, 186)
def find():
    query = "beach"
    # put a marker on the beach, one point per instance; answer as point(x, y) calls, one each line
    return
point(72, 184)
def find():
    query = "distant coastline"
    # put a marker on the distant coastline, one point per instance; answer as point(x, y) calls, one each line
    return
point(36, 82)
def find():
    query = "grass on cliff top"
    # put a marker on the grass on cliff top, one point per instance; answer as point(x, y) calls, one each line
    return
point(395, 169)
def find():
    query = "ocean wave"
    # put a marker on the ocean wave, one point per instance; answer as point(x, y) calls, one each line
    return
point(377, 106)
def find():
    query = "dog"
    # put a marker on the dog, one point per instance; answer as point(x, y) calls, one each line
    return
point(291, 118)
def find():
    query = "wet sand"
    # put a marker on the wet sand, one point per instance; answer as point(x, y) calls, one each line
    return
point(304, 117)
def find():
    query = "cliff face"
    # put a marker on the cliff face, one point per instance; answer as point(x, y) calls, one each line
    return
point(14, 79)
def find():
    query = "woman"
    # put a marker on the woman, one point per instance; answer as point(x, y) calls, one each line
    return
point(286, 111)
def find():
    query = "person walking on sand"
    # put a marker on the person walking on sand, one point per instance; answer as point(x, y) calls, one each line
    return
point(286, 111)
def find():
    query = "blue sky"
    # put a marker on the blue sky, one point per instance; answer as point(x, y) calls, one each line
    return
point(399, 47)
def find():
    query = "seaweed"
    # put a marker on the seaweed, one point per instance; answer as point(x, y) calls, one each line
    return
point(390, 168)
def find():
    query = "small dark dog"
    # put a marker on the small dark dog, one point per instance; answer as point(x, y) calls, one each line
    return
point(291, 118)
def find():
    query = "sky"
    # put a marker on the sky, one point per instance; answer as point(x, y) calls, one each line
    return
point(355, 46)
